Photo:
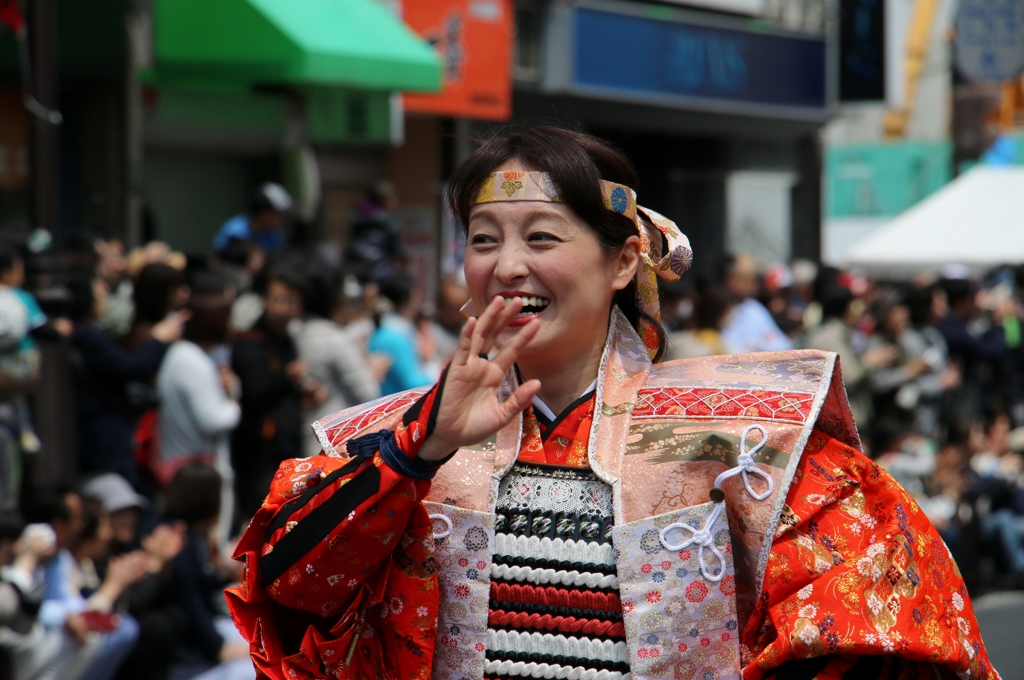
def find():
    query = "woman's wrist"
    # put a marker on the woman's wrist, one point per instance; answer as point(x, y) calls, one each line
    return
point(435, 450)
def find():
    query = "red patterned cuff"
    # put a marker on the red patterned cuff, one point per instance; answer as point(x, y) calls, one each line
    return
point(418, 422)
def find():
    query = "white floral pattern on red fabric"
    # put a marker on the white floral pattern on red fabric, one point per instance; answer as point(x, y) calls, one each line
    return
point(463, 571)
point(678, 624)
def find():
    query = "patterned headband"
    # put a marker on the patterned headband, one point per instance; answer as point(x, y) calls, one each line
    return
point(655, 230)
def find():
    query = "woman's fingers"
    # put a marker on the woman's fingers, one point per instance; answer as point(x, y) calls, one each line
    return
point(520, 399)
point(463, 351)
point(484, 324)
point(499, 315)
point(508, 354)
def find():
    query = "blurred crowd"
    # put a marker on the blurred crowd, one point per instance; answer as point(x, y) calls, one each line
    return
point(191, 378)
point(934, 370)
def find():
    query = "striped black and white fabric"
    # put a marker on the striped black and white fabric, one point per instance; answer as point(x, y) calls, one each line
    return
point(555, 610)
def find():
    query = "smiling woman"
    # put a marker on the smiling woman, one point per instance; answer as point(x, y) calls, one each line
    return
point(562, 505)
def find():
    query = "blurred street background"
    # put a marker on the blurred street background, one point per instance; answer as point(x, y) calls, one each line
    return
point(222, 219)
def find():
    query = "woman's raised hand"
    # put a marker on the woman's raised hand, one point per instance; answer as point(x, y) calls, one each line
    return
point(470, 410)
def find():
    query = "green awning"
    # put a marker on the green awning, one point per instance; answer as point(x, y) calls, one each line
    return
point(348, 43)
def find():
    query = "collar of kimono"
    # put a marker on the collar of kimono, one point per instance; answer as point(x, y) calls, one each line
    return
point(665, 250)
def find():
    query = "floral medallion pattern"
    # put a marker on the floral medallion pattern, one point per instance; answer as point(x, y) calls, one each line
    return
point(678, 623)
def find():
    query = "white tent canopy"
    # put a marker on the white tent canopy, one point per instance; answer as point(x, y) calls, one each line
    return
point(977, 220)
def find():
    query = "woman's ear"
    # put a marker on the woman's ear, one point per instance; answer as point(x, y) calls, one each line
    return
point(627, 261)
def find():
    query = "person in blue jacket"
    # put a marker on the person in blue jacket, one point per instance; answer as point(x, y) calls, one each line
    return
point(263, 225)
point(108, 379)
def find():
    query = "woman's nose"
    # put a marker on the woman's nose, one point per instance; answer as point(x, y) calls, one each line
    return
point(511, 264)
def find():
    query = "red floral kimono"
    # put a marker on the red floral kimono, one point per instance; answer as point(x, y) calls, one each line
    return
point(355, 570)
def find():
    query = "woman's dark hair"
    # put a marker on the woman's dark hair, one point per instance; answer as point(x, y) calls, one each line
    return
point(287, 275)
point(835, 300)
point(919, 302)
point(320, 292)
point(398, 289)
point(210, 322)
point(193, 495)
point(152, 292)
point(958, 291)
point(576, 163)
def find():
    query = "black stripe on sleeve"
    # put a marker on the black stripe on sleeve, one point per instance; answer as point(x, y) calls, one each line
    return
point(436, 406)
point(318, 525)
point(281, 518)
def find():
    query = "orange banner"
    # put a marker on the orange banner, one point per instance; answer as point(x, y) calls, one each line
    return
point(474, 40)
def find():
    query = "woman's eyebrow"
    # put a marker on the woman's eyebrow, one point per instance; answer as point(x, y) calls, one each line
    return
point(535, 215)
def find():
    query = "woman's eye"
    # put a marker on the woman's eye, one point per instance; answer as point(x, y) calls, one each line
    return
point(481, 240)
point(543, 236)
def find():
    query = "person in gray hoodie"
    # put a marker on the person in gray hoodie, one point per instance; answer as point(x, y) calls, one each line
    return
point(332, 356)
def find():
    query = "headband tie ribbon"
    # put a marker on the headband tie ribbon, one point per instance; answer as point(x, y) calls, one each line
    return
point(665, 250)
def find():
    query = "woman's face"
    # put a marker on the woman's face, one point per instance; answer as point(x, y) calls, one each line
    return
point(544, 253)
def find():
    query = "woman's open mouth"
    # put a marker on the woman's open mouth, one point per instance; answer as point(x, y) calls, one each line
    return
point(533, 306)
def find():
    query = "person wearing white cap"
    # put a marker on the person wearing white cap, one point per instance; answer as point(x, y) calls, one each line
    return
point(120, 502)
point(263, 224)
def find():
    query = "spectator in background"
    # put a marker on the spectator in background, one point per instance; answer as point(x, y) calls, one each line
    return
point(750, 327)
point(154, 603)
point(275, 389)
point(24, 653)
point(439, 337)
point(922, 341)
point(107, 414)
point(123, 507)
point(159, 290)
point(112, 269)
point(92, 639)
point(242, 262)
point(714, 304)
point(896, 392)
point(263, 225)
point(332, 356)
point(375, 250)
point(841, 314)
point(198, 400)
point(973, 347)
point(396, 337)
point(211, 648)
point(19, 372)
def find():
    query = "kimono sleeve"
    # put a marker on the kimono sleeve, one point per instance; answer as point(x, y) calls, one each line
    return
point(858, 577)
point(339, 566)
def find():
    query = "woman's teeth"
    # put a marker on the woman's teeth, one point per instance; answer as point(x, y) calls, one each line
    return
point(531, 305)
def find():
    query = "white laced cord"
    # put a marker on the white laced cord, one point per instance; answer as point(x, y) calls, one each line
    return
point(745, 465)
point(447, 532)
point(703, 538)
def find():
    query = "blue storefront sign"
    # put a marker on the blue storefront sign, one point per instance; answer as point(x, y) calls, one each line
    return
point(628, 55)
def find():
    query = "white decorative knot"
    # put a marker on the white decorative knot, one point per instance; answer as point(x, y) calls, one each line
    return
point(746, 466)
point(447, 532)
point(703, 539)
